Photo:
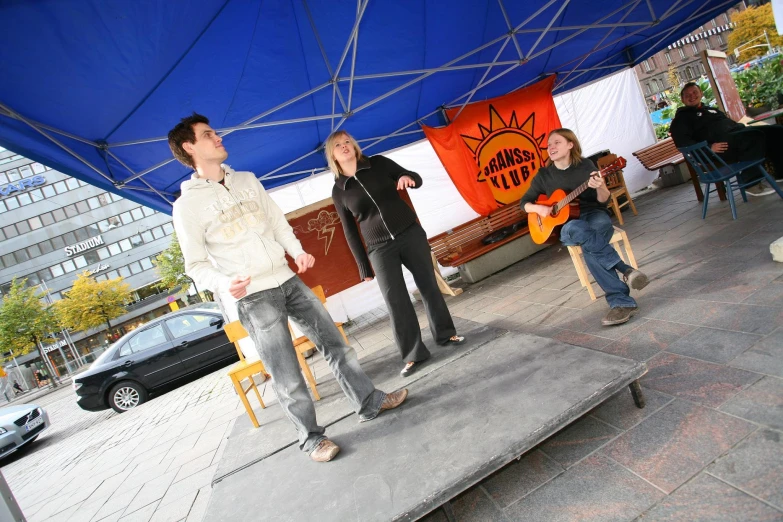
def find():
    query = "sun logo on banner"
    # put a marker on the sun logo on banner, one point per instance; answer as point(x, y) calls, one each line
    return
point(508, 155)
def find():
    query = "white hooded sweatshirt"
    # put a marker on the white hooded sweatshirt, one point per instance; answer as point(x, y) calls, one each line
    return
point(239, 227)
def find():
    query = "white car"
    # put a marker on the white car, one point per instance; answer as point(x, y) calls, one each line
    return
point(20, 425)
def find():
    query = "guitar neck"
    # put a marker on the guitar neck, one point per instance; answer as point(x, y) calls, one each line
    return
point(575, 193)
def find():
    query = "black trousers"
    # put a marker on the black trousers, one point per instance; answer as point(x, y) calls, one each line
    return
point(763, 141)
point(411, 250)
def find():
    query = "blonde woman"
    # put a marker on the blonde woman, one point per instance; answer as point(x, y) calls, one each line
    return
point(365, 190)
point(593, 230)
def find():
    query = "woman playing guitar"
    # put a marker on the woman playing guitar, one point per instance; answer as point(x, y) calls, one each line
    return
point(593, 230)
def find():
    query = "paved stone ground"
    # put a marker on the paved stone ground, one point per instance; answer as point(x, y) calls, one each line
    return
point(707, 447)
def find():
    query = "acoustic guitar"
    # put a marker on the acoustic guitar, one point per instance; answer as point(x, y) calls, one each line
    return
point(562, 209)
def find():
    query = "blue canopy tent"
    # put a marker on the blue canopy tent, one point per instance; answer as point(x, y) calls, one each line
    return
point(91, 88)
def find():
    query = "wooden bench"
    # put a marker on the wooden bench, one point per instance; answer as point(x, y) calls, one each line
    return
point(463, 245)
point(665, 153)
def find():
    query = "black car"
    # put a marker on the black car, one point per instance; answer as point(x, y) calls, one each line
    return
point(163, 350)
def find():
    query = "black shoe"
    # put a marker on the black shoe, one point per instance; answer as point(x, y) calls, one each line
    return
point(635, 279)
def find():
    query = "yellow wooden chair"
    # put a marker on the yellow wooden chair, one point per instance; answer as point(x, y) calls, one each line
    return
point(619, 238)
point(302, 345)
point(615, 182)
point(244, 370)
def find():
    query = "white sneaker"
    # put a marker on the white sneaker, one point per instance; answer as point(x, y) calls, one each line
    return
point(759, 190)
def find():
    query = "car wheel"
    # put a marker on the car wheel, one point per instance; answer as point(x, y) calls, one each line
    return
point(126, 395)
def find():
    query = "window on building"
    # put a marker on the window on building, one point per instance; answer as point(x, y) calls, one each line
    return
point(135, 267)
point(23, 227)
point(148, 211)
point(69, 238)
point(104, 199)
point(125, 245)
point(34, 251)
point(91, 257)
point(721, 41)
point(69, 266)
point(80, 262)
point(57, 271)
point(46, 219)
point(124, 272)
point(725, 18)
point(60, 187)
point(146, 235)
point(24, 199)
point(11, 203)
point(36, 194)
point(655, 85)
point(114, 249)
point(694, 49)
point(21, 256)
point(701, 69)
point(103, 253)
point(668, 58)
point(689, 73)
point(146, 263)
point(46, 247)
point(707, 43)
point(82, 234)
point(3, 178)
point(49, 191)
point(10, 231)
point(35, 223)
point(57, 242)
point(38, 168)
point(137, 213)
point(70, 211)
point(168, 228)
point(682, 53)
point(136, 240)
point(72, 183)
point(646, 66)
point(158, 233)
point(13, 175)
point(26, 171)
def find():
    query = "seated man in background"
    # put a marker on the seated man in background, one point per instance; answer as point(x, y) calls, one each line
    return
point(733, 141)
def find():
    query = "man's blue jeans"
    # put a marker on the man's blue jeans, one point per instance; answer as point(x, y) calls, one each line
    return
point(265, 317)
point(592, 231)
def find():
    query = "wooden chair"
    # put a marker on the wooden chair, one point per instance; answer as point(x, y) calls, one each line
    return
point(244, 370)
point(582, 271)
point(302, 345)
point(616, 184)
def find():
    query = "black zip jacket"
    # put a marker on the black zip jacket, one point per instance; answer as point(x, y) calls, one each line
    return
point(371, 197)
point(692, 125)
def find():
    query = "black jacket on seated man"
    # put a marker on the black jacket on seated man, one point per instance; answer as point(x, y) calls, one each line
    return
point(692, 125)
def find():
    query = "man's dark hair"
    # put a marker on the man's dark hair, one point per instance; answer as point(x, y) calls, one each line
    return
point(183, 133)
point(688, 86)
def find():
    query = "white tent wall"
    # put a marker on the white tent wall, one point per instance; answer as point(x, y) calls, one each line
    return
point(608, 114)
point(611, 114)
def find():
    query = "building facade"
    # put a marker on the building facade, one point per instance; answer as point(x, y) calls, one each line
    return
point(54, 227)
point(683, 56)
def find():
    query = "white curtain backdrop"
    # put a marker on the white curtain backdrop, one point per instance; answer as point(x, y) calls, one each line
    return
point(608, 114)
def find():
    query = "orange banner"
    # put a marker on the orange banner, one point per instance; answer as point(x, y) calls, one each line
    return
point(493, 148)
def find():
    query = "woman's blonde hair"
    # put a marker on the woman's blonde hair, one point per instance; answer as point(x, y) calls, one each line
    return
point(334, 165)
point(576, 151)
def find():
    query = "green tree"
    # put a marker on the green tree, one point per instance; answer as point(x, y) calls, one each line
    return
point(751, 23)
point(90, 303)
point(170, 265)
point(25, 321)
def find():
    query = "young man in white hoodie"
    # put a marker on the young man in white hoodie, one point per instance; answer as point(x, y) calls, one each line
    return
point(228, 217)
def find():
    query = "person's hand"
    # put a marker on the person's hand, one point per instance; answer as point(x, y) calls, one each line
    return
point(238, 286)
point(596, 181)
point(719, 147)
point(405, 182)
point(304, 261)
point(368, 278)
point(541, 210)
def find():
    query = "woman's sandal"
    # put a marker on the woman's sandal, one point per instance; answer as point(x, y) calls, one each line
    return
point(409, 369)
point(454, 340)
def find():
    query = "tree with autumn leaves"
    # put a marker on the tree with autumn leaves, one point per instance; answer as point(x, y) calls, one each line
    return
point(750, 24)
point(25, 321)
point(90, 303)
point(170, 265)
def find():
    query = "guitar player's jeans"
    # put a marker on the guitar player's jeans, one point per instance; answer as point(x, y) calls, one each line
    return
point(265, 316)
point(592, 231)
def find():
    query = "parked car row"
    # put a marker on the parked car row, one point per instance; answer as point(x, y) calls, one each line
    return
point(164, 350)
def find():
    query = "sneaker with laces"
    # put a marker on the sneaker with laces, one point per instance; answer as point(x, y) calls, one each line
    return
point(759, 190)
point(325, 451)
point(635, 279)
point(618, 316)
